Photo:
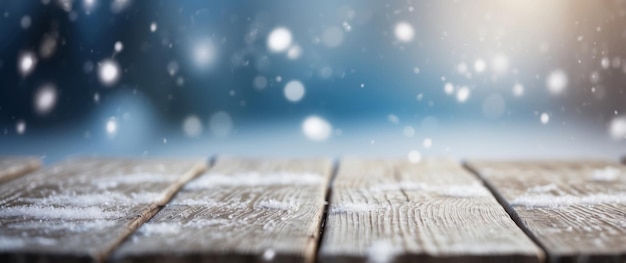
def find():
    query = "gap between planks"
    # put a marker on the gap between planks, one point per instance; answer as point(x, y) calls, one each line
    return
point(230, 213)
point(509, 210)
point(571, 209)
point(329, 189)
point(36, 205)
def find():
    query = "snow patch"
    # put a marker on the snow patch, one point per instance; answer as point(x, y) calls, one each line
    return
point(449, 190)
point(9, 243)
point(160, 228)
point(279, 205)
point(174, 228)
point(135, 178)
point(72, 226)
point(51, 212)
point(255, 179)
point(543, 188)
point(356, 208)
point(544, 200)
point(107, 198)
point(607, 174)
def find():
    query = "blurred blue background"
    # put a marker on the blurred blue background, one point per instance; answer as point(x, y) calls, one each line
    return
point(468, 79)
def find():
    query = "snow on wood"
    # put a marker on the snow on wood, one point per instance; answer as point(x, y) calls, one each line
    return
point(51, 212)
point(606, 174)
point(13, 167)
point(388, 210)
point(255, 209)
point(63, 211)
point(575, 209)
point(255, 178)
point(475, 189)
point(544, 200)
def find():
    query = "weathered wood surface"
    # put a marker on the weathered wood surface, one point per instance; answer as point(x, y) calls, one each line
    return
point(240, 210)
point(13, 167)
point(576, 210)
point(81, 209)
point(432, 211)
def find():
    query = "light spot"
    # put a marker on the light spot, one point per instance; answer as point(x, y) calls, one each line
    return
point(89, 4)
point(25, 22)
point(326, 72)
point(108, 72)
point(118, 46)
point(404, 32)
point(393, 119)
point(279, 40)
point(461, 68)
point(192, 126)
point(259, 82)
point(316, 128)
point(268, 255)
point(203, 53)
point(462, 94)
point(408, 131)
point(27, 63)
point(153, 27)
point(428, 143)
point(48, 45)
point(448, 88)
point(545, 118)
point(480, 66)
point(518, 90)
point(221, 124)
point(556, 81)
point(494, 106)
point(111, 127)
point(294, 91)
point(172, 68)
point(414, 156)
point(294, 52)
point(20, 127)
point(617, 128)
point(500, 63)
point(119, 5)
point(605, 63)
point(45, 99)
point(332, 37)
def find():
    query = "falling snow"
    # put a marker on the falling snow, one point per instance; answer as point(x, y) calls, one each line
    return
point(462, 94)
point(316, 128)
point(557, 81)
point(404, 32)
point(26, 63)
point(45, 99)
point(294, 91)
point(279, 40)
point(109, 72)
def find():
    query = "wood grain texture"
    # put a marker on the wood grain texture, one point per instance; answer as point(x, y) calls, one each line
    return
point(432, 211)
point(575, 209)
point(242, 210)
point(81, 209)
point(13, 167)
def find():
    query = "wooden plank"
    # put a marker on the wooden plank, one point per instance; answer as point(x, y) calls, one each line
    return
point(432, 211)
point(13, 167)
point(241, 210)
point(81, 209)
point(576, 210)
